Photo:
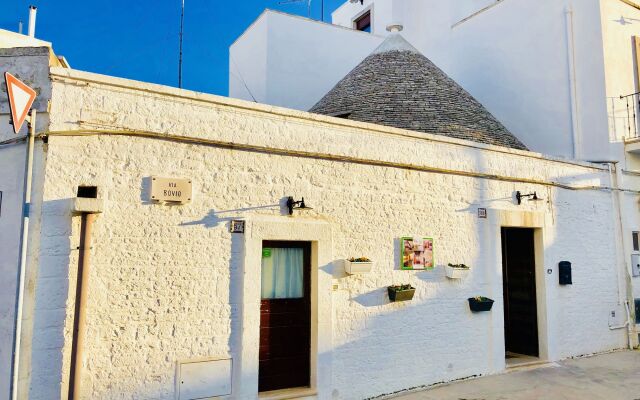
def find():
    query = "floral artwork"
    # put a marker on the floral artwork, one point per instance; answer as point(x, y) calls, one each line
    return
point(417, 253)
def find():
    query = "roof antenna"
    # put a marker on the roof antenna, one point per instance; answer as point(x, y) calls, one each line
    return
point(20, 27)
point(308, 6)
point(180, 57)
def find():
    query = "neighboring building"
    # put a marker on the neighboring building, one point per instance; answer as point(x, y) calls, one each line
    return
point(556, 84)
point(30, 60)
point(280, 52)
point(551, 71)
point(177, 306)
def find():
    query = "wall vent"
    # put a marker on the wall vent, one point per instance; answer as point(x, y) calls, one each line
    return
point(88, 192)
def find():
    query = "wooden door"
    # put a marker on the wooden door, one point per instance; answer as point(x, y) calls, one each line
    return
point(285, 316)
point(519, 290)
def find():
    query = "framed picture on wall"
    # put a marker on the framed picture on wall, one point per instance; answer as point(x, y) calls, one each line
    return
point(416, 253)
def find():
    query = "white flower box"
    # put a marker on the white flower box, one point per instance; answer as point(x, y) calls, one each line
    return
point(353, 268)
point(456, 273)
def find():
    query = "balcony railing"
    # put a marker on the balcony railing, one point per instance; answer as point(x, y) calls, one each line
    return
point(632, 102)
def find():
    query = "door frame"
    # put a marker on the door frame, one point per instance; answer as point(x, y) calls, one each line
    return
point(505, 267)
point(537, 222)
point(306, 287)
point(248, 249)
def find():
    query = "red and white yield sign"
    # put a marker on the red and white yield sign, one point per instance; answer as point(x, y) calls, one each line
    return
point(21, 98)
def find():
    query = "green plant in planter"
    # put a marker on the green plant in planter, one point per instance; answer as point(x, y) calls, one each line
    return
point(458, 266)
point(360, 259)
point(480, 303)
point(400, 288)
point(401, 292)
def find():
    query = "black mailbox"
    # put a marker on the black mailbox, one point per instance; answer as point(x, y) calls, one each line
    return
point(565, 272)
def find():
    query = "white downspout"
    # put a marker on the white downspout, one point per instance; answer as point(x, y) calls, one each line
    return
point(622, 267)
point(573, 86)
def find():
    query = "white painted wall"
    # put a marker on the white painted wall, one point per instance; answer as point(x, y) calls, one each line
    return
point(248, 62)
point(292, 61)
point(171, 283)
point(32, 66)
point(11, 159)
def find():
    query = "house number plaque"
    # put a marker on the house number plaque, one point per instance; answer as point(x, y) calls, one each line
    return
point(170, 190)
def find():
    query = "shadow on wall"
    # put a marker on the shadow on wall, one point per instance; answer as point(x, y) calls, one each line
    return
point(55, 283)
point(215, 218)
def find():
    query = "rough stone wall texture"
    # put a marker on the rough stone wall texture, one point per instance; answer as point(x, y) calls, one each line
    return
point(30, 65)
point(398, 86)
point(161, 275)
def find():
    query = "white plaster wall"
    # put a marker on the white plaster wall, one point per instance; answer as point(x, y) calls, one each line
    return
point(167, 282)
point(31, 65)
point(292, 61)
point(248, 63)
point(620, 23)
point(11, 162)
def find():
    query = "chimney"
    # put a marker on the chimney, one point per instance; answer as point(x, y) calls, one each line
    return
point(32, 20)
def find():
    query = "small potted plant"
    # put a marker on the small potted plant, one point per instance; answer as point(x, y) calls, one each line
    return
point(456, 271)
point(480, 303)
point(401, 292)
point(357, 265)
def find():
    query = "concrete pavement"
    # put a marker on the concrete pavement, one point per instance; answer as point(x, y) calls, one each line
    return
point(613, 376)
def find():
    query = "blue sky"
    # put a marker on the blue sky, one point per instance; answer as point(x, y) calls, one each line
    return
point(139, 39)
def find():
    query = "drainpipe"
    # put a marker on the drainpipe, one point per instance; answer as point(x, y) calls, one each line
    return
point(26, 207)
point(623, 269)
point(573, 86)
point(82, 281)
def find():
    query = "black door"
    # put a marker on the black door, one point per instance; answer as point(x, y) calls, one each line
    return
point(285, 316)
point(519, 289)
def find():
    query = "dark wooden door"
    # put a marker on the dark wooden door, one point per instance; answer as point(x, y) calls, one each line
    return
point(519, 289)
point(285, 316)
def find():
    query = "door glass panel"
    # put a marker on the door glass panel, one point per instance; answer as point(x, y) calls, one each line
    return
point(282, 273)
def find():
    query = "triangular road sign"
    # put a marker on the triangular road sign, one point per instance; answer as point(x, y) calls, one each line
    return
point(21, 98)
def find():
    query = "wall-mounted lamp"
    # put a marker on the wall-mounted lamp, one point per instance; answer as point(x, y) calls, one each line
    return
point(532, 197)
point(296, 205)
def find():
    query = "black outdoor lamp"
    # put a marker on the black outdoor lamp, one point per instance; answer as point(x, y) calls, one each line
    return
point(296, 205)
point(532, 197)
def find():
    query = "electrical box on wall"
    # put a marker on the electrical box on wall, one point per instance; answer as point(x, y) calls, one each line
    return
point(635, 264)
point(564, 269)
point(204, 379)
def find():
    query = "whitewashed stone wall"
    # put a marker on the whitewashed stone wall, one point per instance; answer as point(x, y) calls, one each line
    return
point(166, 281)
point(31, 65)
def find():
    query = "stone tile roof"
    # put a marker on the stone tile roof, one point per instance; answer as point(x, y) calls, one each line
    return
point(398, 86)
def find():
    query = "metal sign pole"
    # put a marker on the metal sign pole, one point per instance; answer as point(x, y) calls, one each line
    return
point(26, 207)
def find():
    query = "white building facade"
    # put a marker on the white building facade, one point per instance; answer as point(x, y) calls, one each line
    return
point(561, 75)
point(174, 297)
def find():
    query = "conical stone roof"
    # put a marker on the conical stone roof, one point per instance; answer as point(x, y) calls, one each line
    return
point(398, 86)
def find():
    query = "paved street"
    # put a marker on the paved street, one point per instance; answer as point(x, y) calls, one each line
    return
point(614, 376)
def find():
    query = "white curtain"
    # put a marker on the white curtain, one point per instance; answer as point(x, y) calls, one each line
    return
point(282, 274)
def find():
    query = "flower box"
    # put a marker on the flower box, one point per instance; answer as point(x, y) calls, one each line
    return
point(458, 271)
point(479, 303)
point(357, 266)
point(401, 293)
